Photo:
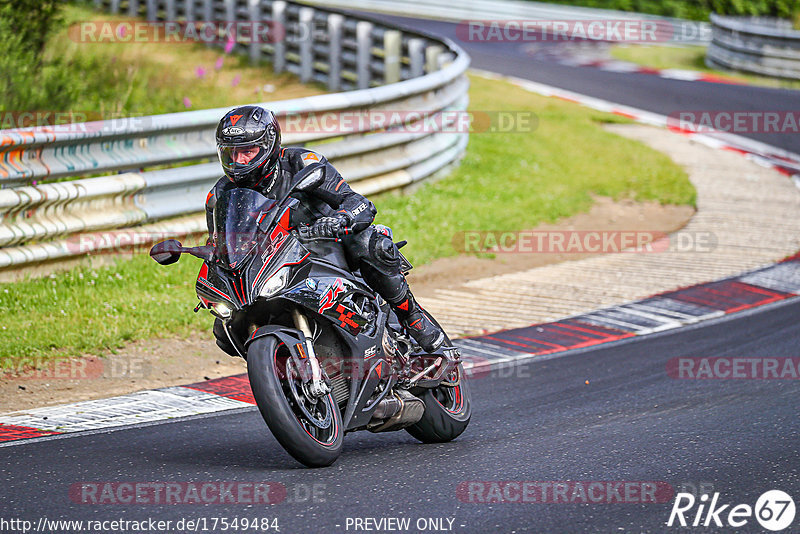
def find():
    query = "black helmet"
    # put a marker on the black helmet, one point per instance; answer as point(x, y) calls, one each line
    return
point(248, 143)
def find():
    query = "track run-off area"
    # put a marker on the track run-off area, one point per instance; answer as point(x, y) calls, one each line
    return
point(591, 423)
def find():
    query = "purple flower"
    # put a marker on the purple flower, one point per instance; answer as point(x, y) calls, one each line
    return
point(236, 80)
point(229, 45)
point(200, 71)
point(186, 102)
point(219, 63)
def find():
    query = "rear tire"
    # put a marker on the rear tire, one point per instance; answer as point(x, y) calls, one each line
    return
point(275, 387)
point(447, 412)
point(447, 409)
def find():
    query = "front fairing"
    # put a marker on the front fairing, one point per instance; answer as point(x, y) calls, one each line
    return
point(237, 216)
point(252, 242)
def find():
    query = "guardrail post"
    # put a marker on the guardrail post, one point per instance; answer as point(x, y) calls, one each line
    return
point(152, 10)
point(133, 8)
point(364, 53)
point(279, 50)
point(230, 18)
point(416, 56)
point(171, 10)
point(306, 44)
point(335, 22)
point(432, 54)
point(208, 16)
point(392, 47)
point(254, 10)
point(188, 10)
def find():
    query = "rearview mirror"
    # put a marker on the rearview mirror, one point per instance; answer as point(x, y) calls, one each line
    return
point(310, 177)
point(166, 252)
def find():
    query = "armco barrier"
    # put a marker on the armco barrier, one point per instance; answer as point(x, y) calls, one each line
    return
point(669, 30)
point(769, 47)
point(46, 205)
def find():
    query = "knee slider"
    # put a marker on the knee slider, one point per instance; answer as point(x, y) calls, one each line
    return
point(384, 251)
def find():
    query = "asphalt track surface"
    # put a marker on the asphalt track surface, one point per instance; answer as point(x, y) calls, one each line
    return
point(537, 421)
point(643, 91)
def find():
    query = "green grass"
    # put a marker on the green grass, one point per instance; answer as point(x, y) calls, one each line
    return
point(517, 180)
point(506, 181)
point(690, 58)
point(139, 78)
point(88, 310)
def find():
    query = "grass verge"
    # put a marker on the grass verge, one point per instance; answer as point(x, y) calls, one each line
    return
point(513, 181)
point(506, 181)
point(120, 79)
point(691, 58)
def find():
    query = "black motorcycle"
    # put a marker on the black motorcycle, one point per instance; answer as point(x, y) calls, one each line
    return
point(325, 354)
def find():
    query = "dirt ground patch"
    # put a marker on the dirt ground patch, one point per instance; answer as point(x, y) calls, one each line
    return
point(158, 363)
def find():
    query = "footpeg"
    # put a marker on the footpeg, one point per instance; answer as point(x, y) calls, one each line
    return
point(431, 370)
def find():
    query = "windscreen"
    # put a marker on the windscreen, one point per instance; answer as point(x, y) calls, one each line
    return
point(237, 215)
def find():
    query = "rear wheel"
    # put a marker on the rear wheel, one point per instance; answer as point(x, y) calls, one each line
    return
point(309, 429)
point(448, 408)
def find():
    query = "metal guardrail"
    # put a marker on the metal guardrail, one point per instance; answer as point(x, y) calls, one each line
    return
point(669, 30)
point(397, 69)
point(763, 46)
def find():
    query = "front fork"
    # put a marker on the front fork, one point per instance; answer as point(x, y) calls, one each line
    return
point(317, 387)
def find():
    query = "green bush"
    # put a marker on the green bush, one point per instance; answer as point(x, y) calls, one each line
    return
point(32, 21)
point(696, 9)
point(27, 80)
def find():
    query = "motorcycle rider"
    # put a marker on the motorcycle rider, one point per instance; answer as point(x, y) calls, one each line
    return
point(248, 144)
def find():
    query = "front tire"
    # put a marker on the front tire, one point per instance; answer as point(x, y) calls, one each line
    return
point(311, 432)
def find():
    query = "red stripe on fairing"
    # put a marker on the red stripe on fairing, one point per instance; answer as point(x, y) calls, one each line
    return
point(236, 289)
point(284, 220)
point(301, 260)
point(205, 283)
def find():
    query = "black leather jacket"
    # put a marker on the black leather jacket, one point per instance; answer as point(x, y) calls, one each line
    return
point(331, 196)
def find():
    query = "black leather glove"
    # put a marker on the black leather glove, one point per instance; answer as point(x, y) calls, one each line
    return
point(346, 223)
point(323, 227)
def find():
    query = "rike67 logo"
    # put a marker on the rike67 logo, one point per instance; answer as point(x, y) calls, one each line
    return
point(774, 510)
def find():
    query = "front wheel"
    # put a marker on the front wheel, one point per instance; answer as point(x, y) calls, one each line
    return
point(309, 429)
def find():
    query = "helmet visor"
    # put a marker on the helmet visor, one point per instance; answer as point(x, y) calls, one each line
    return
point(238, 159)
